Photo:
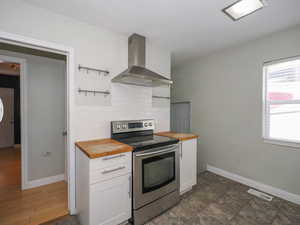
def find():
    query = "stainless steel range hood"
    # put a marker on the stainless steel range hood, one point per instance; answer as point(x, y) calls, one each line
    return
point(137, 73)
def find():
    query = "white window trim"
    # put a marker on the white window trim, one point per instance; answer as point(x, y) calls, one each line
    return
point(265, 111)
point(282, 142)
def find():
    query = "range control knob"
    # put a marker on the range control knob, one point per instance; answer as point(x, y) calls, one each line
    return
point(150, 124)
point(145, 124)
point(118, 126)
point(124, 126)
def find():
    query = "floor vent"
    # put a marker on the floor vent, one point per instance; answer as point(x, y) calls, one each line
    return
point(260, 195)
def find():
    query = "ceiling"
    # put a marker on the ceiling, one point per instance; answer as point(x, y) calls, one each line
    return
point(189, 28)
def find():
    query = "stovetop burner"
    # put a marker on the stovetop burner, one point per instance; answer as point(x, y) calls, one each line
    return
point(147, 141)
point(139, 134)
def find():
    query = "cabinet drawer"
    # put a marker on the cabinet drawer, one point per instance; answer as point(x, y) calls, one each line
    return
point(108, 161)
point(110, 172)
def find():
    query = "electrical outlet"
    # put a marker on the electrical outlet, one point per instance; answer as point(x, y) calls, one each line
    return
point(46, 154)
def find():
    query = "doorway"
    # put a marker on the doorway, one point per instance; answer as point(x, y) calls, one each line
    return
point(34, 167)
point(68, 52)
point(181, 117)
point(10, 152)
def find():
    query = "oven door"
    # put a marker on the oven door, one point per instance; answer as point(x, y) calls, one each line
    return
point(155, 174)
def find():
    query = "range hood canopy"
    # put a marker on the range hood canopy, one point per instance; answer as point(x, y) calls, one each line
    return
point(137, 73)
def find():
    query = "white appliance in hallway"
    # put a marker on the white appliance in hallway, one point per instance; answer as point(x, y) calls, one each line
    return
point(7, 123)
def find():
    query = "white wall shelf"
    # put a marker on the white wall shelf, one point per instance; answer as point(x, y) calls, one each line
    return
point(161, 97)
point(87, 69)
point(105, 93)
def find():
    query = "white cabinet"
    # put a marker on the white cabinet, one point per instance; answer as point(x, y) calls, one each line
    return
point(103, 189)
point(110, 201)
point(188, 165)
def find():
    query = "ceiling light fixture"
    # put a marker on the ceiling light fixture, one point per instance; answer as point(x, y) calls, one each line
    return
point(243, 8)
point(14, 66)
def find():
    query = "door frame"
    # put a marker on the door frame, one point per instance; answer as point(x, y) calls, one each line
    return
point(23, 41)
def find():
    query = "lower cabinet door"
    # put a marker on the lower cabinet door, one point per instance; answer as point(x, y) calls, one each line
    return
point(188, 165)
point(110, 201)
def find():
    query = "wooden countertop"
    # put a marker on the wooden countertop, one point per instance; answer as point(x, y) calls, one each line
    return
point(102, 147)
point(179, 136)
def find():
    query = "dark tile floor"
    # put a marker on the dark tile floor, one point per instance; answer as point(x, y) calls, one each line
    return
point(216, 200)
point(66, 220)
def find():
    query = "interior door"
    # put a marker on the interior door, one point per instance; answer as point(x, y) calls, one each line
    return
point(7, 123)
point(180, 117)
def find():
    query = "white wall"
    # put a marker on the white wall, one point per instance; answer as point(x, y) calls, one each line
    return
point(99, 48)
point(225, 89)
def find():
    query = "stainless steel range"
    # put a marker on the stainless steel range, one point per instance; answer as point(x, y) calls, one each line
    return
point(155, 166)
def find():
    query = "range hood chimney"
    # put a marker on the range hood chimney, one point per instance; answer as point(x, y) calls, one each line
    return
point(137, 74)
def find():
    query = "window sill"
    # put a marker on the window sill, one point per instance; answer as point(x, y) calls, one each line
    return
point(282, 143)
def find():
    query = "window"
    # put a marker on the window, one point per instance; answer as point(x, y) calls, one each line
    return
point(282, 101)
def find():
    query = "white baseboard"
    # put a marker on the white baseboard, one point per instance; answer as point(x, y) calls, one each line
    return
point(186, 190)
point(257, 185)
point(44, 181)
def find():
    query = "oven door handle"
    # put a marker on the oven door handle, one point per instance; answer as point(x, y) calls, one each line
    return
point(156, 152)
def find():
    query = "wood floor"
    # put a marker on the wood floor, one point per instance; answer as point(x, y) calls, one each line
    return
point(28, 207)
point(10, 167)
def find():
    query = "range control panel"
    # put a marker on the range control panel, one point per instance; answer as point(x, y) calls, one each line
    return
point(131, 125)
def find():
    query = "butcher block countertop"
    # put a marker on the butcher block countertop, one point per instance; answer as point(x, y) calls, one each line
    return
point(102, 147)
point(179, 136)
